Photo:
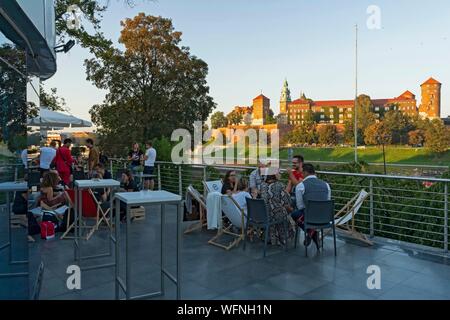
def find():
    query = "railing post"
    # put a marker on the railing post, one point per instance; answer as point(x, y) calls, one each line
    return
point(180, 182)
point(159, 177)
point(372, 232)
point(446, 217)
point(111, 167)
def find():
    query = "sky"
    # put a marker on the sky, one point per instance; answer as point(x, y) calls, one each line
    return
point(251, 46)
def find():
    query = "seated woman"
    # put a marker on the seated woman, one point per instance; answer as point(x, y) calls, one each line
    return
point(241, 194)
point(278, 203)
point(229, 183)
point(50, 197)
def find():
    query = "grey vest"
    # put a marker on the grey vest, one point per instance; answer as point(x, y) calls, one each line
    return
point(315, 189)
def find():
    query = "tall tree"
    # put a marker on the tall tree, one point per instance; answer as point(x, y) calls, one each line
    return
point(51, 100)
point(234, 118)
point(365, 115)
point(399, 125)
point(218, 120)
point(378, 134)
point(437, 136)
point(154, 87)
point(13, 106)
point(327, 134)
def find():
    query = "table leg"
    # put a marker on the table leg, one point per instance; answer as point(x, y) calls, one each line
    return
point(8, 212)
point(75, 222)
point(162, 242)
point(179, 237)
point(117, 247)
point(127, 255)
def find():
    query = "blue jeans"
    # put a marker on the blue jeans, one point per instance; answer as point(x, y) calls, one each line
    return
point(298, 218)
point(297, 214)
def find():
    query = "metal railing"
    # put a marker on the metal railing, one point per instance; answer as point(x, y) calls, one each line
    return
point(408, 210)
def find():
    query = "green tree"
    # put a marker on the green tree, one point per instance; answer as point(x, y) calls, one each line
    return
point(437, 136)
point(398, 123)
point(155, 85)
point(234, 118)
point(416, 137)
point(365, 115)
point(51, 100)
point(327, 135)
point(218, 120)
point(378, 134)
point(270, 118)
point(13, 106)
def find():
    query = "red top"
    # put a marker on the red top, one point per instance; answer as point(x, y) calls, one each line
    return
point(297, 174)
point(63, 159)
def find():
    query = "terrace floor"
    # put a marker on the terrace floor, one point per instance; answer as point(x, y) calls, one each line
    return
point(209, 272)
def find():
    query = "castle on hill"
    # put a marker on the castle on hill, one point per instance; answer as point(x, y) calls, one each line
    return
point(294, 112)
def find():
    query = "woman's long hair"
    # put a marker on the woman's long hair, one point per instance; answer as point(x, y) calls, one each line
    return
point(50, 180)
point(227, 177)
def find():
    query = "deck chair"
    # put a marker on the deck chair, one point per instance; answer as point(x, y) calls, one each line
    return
point(238, 219)
point(212, 186)
point(91, 209)
point(344, 219)
point(202, 208)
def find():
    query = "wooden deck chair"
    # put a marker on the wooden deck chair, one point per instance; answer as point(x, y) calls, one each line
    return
point(238, 219)
point(345, 218)
point(91, 209)
point(202, 208)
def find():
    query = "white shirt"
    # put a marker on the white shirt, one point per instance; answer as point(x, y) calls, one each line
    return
point(300, 191)
point(151, 157)
point(240, 199)
point(24, 157)
point(46, 157)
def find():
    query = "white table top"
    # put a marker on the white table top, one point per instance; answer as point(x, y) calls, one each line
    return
point(13, 186)
point(147, 197)
point(101, 183)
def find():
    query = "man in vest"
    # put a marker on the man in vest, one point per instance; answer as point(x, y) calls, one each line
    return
point(311, 188)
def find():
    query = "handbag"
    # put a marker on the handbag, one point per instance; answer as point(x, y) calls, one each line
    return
point(47, 230)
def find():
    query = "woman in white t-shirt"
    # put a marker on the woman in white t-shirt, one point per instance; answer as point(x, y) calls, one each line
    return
point(241, 194)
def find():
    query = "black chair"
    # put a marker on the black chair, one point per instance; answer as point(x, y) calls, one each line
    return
point(258, 216)
point(34, 178)
point(319, 215)
point(79, 175)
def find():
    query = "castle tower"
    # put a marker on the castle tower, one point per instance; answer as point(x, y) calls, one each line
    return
point(285, 98)
point(430, 106)
point(261, 108)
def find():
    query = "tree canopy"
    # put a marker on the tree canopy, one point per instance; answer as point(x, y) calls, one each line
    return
point(154, 87)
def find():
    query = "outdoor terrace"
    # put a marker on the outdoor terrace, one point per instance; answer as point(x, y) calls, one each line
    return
point(407, 218)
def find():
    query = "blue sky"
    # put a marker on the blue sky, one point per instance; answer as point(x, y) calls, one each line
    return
point(252, 45)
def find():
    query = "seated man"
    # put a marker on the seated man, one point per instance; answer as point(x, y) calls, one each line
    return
point(311, 188)
point(100, 168)
point(296, 173)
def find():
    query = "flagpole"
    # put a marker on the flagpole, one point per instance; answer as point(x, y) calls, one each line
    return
point(355, 113)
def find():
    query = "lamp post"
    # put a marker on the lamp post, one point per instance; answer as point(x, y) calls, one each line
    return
point(355, 113)
point(290, 153)
point(382, 140)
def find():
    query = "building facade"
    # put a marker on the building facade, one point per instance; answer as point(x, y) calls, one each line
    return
point(337, 111)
